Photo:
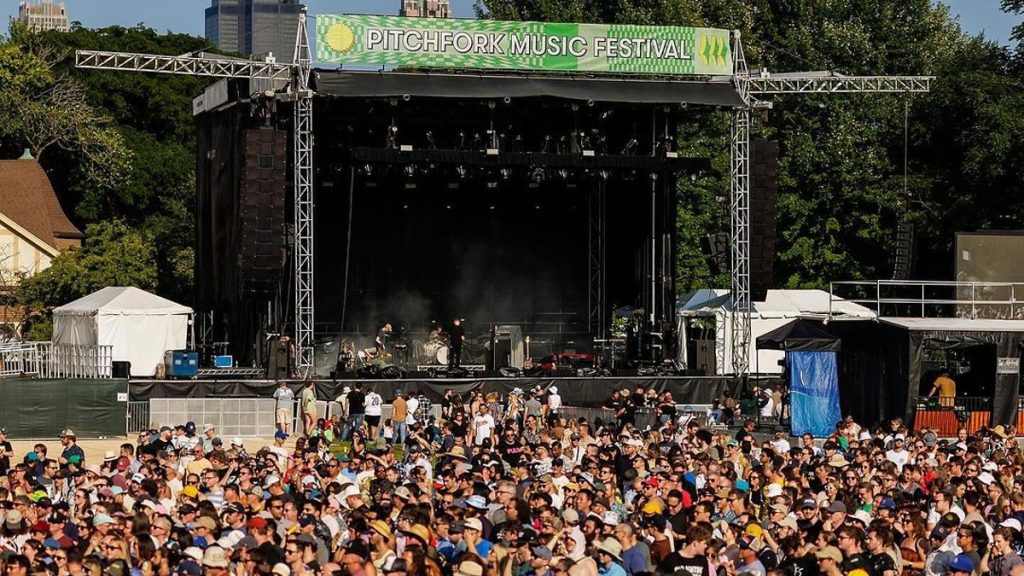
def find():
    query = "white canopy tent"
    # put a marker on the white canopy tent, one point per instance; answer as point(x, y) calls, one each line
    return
point(138, 326)
point(778, 309)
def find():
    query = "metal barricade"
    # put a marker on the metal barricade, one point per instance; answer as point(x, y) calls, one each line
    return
point(74, 360)
point(137, 417)
point(19, 359)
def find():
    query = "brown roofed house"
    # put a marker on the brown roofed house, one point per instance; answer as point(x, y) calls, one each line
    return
point(33, 227)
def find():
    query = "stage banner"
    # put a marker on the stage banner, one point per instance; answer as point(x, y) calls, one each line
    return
point(492, 44)
point(813, 392)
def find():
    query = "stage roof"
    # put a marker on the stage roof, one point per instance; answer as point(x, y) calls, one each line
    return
point(347, 84)
point(957, 324)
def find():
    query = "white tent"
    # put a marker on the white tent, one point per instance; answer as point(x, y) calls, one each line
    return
point(778, 309)
point(139, 326)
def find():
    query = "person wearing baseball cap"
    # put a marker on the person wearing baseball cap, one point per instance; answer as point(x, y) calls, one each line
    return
point(73, 457)
point(830, 560)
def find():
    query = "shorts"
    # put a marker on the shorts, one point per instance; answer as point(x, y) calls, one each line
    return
point(373, 421)
point(283, 415)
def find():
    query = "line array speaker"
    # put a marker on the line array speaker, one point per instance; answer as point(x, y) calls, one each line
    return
point(764, 200)
point(716, 249)
point(261, 254)
point(905, 248)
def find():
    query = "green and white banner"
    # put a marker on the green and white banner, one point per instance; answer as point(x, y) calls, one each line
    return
point(447, 43)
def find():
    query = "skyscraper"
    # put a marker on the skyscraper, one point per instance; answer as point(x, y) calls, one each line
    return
point(254, 26)
point(43, 16)
point(426, 8)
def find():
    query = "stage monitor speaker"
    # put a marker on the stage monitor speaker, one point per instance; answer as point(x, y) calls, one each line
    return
point(502, 353)
point(706, 361)
point(277, 360)
point(120, 369)
point(261, 210)
point(716, 249)
point(764, 198)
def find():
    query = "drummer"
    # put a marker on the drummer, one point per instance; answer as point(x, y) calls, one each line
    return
point(436, 334)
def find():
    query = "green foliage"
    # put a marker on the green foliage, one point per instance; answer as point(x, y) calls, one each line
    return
point(841, 185)
point(112, 255)
point(117, 146)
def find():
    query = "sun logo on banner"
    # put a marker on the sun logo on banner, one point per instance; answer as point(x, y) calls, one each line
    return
point(340, 38)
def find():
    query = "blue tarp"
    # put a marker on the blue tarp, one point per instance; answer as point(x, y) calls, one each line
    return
point(814, 392)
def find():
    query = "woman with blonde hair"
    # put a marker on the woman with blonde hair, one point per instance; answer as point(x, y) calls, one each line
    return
point(115, 549)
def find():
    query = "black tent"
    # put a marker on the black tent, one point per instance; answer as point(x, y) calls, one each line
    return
point(798, 335)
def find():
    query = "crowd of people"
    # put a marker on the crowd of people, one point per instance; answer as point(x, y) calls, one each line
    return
point(509, 486)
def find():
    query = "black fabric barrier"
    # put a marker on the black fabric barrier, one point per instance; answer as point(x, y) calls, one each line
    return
point(34, 408)
point(582, 392)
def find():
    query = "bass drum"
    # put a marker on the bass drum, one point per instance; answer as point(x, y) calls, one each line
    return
point(442, 356)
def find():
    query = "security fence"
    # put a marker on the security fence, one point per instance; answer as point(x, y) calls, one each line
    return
point(244, 417)
point(49, 360)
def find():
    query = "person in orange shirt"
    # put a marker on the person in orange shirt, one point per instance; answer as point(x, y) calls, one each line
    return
point(946, 387)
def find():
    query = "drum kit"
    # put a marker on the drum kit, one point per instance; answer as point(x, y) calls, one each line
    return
point(436, 351)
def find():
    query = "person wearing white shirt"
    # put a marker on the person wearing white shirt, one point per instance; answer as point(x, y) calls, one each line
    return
point(373, 404)
point(554, 401)
point(412, 404)
point(898, 455)
point(483, 425)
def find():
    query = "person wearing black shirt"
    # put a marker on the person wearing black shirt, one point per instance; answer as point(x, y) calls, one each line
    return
point(381, 340)
point(6, 452)
point(690, 560)
point(511, 448)
point(456, 337)
point(356, 411)
point(854, 558)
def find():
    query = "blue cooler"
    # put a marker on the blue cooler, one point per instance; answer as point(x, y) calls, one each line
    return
point(224, 361)
point(181, 363)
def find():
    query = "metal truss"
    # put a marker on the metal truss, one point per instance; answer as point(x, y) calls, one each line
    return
point(740, 217)
point(595, 267)
point(182, 65)
point(303, 184)
point(297, 74)
point(824, 83)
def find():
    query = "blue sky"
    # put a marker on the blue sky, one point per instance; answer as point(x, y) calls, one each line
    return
point(976, 16)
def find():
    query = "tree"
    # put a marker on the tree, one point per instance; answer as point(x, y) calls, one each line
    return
point(841, 186)
point(112, 255)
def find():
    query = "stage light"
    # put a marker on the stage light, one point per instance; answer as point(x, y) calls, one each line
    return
point(564, 173)
point(431, 141)
point(630, 147)
point(505, 173)
point(410, 170)
point(368, 169)
point(461, 171)
point(537, 175)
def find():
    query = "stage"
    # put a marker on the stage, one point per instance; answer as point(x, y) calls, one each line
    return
point(541, 202)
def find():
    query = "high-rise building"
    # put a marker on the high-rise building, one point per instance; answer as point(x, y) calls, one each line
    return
point(254, 26)
point(426, 8)
point(44, 15)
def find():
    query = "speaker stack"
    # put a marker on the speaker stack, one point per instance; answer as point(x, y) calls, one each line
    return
point(262, 210)
point(764, 199)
